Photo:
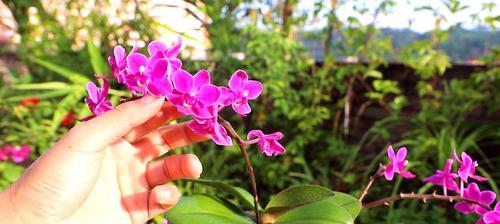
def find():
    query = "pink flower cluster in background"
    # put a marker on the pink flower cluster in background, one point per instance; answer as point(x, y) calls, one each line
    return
point(160, 74)
point(17, 154)
point(446, 178)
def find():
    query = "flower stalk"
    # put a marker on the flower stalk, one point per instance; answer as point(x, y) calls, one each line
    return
point(243, 148)
point(379, 172)
point(423, 197)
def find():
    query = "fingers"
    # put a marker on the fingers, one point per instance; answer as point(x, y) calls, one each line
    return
point(96, 134)
point(166, 138)
point(167, 113)
point(162, 198)
point(173, 167)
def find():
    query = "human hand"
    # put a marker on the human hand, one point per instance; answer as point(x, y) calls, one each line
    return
point(102, 170)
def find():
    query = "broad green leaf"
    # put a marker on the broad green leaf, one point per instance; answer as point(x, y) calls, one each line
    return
point(204, 209)
point(348, 202)
point(244, 196)
point(98, 62)
point(69, 74)
point(42, 86)
point(297, 196)
point(322, 212)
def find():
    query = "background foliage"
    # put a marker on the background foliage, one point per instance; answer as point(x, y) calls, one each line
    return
point(321, 106)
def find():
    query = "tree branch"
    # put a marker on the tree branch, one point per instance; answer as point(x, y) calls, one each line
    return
point(243, 148)
point(424, 198)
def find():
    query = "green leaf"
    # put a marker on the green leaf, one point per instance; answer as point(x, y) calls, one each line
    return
point(348, 202)
point(12, 172)
point(98, 62)
point(44, 95)
point(374, 74)
point(42, 86)
point(244, 196)
point(322, 212)
point(69, 74)
point(204, 209)
point(297, 196)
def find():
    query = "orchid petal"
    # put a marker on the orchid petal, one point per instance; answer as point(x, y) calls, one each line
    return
point(492, 217)
point(400, 156)
point(487, 197)
point(156, 46)
point(254, 134)
point(464, 207)
point(119, 55)
point(173, 51)
point(238, 80)
point(183, 81)
point(93, 92)
point(136, 61)
point(253, 89)
point(159, 69)
point(390, 153)
point(208, 94)
point(226, 97)
point(242, 109)
point(201, 78)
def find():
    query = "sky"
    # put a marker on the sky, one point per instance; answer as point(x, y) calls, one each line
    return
point(403, 12)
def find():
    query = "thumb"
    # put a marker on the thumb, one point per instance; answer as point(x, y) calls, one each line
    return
point(96, 134)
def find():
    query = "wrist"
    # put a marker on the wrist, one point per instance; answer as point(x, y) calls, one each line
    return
point(8, 210)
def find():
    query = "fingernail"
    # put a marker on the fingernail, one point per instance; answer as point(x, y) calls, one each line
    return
point(147, 99)
point(165, 194)
point(197, 166)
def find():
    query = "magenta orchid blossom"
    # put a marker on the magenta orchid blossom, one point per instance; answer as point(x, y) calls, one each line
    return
point(211, 127)
point(491, 217)
point(268, 143)
point(467, 167)
point(444, 178)
point(17, 154)
point(397, 164)
point(147, 76)
point(240, 91)
point(118, 62)
point(5, 152)
point(97, 101)
point(472, 192)
point(194, 95)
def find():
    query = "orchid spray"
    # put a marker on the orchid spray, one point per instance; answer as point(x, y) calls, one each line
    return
point(470, 200)
point(161, 75)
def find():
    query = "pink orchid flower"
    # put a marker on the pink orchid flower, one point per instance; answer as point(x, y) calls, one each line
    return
point(472, 192)
point(444, 178)
point(240, 91)
point(397, 164)
point(467, 167)
point(194, 95)
point(492, 217)
point(97, 98)
point(268, 143)
point(5, 152)
point(16, 154)
point(118, 62)
point(159, 47)
point(211, 127)
point(20, 154)
point(148, 76)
